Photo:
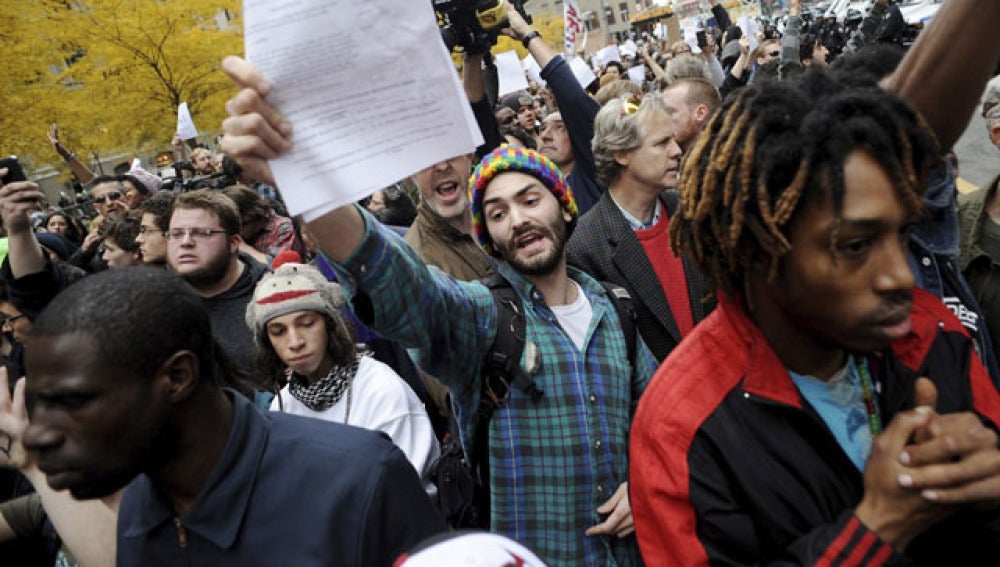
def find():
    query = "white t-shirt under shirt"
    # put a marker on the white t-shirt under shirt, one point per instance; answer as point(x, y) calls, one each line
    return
point(575, 317)
point(381, 401)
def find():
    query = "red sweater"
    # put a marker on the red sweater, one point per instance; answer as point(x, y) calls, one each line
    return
point(669, 270)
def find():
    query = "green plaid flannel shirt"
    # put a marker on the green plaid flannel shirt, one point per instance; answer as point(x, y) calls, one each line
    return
point(552, 462)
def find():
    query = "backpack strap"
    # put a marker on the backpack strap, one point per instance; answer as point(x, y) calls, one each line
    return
point(622, 301)
point(503, 361)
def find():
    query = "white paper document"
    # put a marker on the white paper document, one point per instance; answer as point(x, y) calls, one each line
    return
point(510, 73)
point(370, 90)
point(750, 29)
point(609, 54)
point(629, 48)
point(185, 125)
point(582, 71)
point(637, 74)
point(533, 70)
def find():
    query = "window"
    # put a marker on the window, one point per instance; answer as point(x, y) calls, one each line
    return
point(609, 15)
point(623, 10)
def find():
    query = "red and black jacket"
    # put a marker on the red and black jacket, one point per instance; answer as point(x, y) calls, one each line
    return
point(730, 466)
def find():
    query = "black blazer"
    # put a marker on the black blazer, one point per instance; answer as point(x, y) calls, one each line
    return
point(605, 246)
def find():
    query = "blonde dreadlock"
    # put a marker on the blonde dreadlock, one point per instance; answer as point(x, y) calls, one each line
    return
point(776, 143)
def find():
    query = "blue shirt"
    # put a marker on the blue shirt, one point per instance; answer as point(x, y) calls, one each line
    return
point(286, 490)
point(840, 401)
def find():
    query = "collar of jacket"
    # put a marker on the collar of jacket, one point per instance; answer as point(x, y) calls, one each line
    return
point(218, 511)
point(766, 376)
point(430, 221)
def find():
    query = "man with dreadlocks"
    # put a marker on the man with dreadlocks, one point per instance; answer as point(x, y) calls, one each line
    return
point(827, 412)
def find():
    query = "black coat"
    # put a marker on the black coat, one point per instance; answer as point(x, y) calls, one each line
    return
point(605, 246)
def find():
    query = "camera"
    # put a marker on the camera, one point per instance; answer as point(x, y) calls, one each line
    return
point(216, 181)
point(473, 25)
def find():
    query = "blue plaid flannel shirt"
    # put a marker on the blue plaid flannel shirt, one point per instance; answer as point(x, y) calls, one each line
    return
point(552, 462)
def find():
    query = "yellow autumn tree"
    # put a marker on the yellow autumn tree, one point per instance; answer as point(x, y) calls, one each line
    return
point(112, 72)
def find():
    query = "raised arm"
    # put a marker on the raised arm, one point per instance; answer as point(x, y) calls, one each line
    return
point(475, 88)
point(16, 201)
point(944, 73)
point(82, 172)
point(791, 41)
point(865, 34)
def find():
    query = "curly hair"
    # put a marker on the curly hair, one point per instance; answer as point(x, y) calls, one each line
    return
point(775, 144)
point(618, 130)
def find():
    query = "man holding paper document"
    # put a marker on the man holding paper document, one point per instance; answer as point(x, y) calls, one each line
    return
point(558, 461)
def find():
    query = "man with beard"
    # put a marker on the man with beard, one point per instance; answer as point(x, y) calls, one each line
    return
point(134, 398)
point(690, 103)
point(624, 239)
point(557, 457)
point(203, 242)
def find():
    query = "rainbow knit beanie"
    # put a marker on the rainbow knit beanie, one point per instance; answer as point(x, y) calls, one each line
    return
point(524, 160)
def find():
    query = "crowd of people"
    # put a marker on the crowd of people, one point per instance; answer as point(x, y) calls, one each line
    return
point(735, 314)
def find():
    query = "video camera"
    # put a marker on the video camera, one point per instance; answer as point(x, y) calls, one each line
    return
point(216, 181)
point(474, 25)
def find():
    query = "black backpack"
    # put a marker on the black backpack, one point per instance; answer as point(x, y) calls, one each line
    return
point(463, 480)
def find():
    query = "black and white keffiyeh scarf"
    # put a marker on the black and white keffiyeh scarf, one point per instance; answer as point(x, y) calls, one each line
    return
point(326, 392)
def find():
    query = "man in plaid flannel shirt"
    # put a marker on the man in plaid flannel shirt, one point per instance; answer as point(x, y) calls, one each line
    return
point(559, 465)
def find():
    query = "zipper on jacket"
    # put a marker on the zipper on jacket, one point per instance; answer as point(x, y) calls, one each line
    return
point(181, 533)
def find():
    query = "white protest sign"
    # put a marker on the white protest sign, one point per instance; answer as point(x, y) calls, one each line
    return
point(629, 48)
point(750, 29)
point(533, 70)
point(637, 74)
point(510, 73)
point(609, 54)
point(185, 126)
point(352, 138)
point(583, 73)
point(660, 31)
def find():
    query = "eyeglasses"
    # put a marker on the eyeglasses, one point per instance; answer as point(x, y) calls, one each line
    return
point(11, 319)
point(194, 233)
point(630, 105)
point(774, 53)
point(144, 230)
point(112, 196)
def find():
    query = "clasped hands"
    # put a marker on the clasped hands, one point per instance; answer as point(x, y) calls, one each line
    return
point(926, 466)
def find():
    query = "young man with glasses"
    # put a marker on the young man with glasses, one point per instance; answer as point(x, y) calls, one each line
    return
point(203, 242)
